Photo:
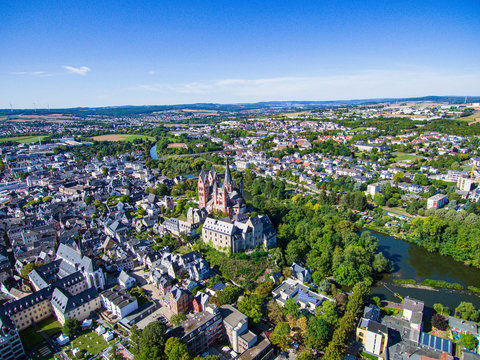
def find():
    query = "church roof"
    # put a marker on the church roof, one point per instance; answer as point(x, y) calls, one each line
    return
point(213, 172)
point(202, 175)
point(69, 254)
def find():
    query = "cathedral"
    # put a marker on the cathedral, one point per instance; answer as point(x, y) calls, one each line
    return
point(226, 197)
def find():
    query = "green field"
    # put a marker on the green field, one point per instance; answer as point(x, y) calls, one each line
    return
point(22, 139)
point(122, 137)
point(475, 115)
point(399, 156)
point(361, 128)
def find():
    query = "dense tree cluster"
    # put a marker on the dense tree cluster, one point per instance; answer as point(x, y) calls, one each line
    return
point(340, 338)
point(449, 233)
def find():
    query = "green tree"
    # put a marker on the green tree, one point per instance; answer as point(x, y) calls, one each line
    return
point(381, 264)
point(263, 290)
point(440, 322)
point(72, 327)
point(468, 340)
point(27, 269)
point(317, 277)
point(180, 205)
point(398, 177)
point(229, 295)
point(176, 350)
point(152, 341)
point(472, 220)
point(328, 312)
point(162, 190)
point(466, 311)
point(281, 336)
point(305, 355)
point(376, 300)
point(251, 306)
point(379, 199)
point(274, 312)
point(177, 319)
point(440, 309)
point(291, 308)
point(208, 357)
point(135, 338)
point(421, 179)
point(319, 332)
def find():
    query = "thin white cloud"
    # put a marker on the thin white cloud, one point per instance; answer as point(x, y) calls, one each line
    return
point(82, 70)
point(31, 73)
point(362, 85)
point(152, 72)
point(149, 87)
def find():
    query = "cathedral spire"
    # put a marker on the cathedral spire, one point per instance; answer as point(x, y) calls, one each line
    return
point(228, 176)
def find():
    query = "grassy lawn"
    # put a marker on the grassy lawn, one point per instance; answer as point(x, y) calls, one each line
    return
point(90, 342)
point(364, 355)
point(30, 337)
point(389, 311)
point(183, 250)
point(50, 326)
point(22, 139)
point(398, 211)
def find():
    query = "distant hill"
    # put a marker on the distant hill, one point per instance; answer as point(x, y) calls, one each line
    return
point(129, 110)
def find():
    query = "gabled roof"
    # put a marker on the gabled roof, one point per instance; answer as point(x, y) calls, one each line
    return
point(69, 254)
point(64, 302)
point(123, 277)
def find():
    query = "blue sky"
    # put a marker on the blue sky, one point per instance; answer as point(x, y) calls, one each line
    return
point(102, 53)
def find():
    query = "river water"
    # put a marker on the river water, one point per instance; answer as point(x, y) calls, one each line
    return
point(414, 262)
point(153, 152)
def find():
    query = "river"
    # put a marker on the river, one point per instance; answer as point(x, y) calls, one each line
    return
point(153, 152)
point(414, 262)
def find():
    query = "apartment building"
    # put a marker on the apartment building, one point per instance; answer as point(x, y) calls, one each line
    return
point(179, 300)
point(202, 331)
point(11, 347)
point(236, 329)
point(437, 201)
point(118, 302)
